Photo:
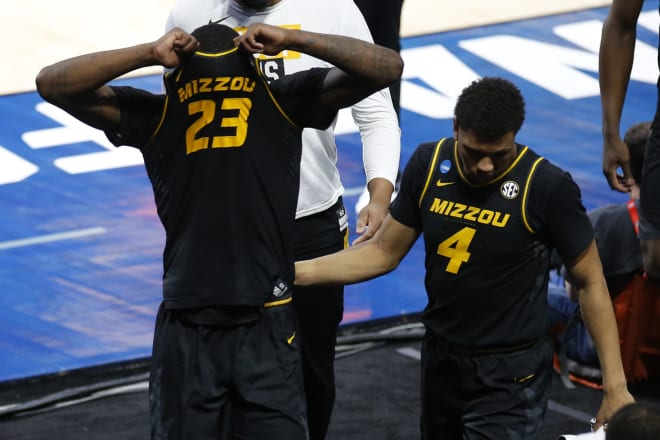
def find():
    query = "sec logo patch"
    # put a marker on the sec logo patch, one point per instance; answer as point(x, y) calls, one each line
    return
point(509, 190)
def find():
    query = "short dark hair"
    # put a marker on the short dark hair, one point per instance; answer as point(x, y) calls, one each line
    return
point(215, 37)
point(638, 421)
point(635, 138)
point(490, 107)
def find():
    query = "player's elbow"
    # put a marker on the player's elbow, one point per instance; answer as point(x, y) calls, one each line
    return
point(388, 263)
point(394, 69)
point(623, 25)
point(397, 68)
point(390, 267)
point(46, 86)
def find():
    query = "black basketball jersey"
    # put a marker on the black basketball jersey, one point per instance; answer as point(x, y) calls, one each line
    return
point(224, 163)
point(487, 250)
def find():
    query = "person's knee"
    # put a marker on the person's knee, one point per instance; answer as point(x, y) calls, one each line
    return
point(651, 258)
point(653, 271)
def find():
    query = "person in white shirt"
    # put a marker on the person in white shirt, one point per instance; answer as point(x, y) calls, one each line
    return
point(321, 218)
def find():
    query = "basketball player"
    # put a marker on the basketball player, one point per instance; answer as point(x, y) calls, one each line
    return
point(222, 150)
point(491, 210)
point(321, 215)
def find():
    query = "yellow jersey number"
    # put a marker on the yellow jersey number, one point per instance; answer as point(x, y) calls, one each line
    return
point(207, 114)
point(456, 249)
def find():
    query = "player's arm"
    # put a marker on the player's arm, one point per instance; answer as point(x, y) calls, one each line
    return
point(586, 274)
point(78, 85)
point(361, 67)
point(361, 262)
point(381, 147)
point(372, 215)
point(617, 47)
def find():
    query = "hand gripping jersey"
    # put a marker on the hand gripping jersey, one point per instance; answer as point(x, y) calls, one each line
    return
point(487, 250)
point(224, 163)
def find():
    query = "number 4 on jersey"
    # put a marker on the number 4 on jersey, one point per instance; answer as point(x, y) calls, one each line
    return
point(456, 249)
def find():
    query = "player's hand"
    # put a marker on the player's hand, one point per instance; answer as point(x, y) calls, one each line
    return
point(173, 47)
point(263, 38)
point(370, 219)
point(611, 403)
point(372, 215)
point(615, 156)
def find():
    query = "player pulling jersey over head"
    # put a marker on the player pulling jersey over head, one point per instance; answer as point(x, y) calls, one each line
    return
point(222, 151)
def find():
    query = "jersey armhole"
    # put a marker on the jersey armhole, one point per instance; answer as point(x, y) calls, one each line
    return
point(528, 184)
point(431, 168)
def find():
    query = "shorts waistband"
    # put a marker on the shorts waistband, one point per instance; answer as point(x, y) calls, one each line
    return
point(279, 302)
point(476, 351)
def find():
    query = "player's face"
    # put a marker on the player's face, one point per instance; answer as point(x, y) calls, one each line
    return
point(483, 161)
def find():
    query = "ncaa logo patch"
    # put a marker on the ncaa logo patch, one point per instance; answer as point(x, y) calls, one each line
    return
point(509, 189)
point(445, 166)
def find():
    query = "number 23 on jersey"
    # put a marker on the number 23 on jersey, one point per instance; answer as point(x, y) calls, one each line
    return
point(208, 114)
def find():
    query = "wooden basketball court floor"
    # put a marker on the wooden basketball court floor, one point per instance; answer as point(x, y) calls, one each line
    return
point(80, 244)
point(41, 32)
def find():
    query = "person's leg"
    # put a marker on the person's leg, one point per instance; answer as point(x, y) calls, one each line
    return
point(441, 391)
point(156, 416)
point(562, 312)
point(509, 394)
point(651, 257)
point(649, 204)
point(560, 306)
point(269, 399)
point(580, 347)
point(188, 385)
point(319, 311)
point(502, 396)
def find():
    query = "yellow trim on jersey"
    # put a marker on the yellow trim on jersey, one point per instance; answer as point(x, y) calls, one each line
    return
point(272, 98)
point(160, 123)
point(495, 179)
point(162, 116)
point(346, 238)
point(178, 75)
point(279, 302)
point(216, 54)
point(431, 170)
point(259, 73)
point(523, 206)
